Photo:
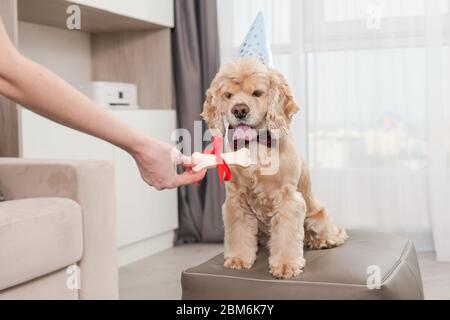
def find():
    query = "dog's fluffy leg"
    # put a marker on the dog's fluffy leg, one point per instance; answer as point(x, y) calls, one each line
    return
point(241, 243)
point(286, 242)
point(320, 231)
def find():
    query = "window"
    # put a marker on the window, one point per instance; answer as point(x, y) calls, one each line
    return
point(368, 108)
point(345, 10)
point(345, 24)
point(360, 70)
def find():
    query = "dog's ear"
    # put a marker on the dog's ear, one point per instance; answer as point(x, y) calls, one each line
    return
point(211, 112)
point(282, 105)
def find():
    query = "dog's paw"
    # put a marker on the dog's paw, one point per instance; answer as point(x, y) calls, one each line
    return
point(237, 263)
point(287, 270)
point(340, 237)
point(335, 241)
point(318, 244)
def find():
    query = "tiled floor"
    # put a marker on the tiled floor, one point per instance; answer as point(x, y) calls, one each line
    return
point(158, 276)
point(435, 277)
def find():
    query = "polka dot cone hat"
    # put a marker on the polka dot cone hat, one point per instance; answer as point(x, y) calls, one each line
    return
point(256, 43)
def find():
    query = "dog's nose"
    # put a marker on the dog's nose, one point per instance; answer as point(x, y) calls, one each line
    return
point(240, 111)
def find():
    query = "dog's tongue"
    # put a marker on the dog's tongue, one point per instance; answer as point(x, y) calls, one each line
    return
point(243, 132)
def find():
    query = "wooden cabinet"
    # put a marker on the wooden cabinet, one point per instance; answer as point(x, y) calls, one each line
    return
point(158, 12)
point(101, 15)
point(129, 42)
point(9, 125)
point(126, 41)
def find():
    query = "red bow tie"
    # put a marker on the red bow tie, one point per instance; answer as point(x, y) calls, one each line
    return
point(223, 170)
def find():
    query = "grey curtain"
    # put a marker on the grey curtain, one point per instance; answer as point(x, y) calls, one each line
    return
point(196, 59)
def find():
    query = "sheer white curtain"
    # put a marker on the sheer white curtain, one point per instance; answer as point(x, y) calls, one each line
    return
point(372, 79)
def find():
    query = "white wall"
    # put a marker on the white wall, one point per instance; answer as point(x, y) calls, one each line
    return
point(65, 52)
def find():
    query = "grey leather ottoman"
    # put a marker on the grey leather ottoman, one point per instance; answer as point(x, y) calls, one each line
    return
point(339, 273)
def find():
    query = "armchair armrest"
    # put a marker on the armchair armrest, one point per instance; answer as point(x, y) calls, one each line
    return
point(91, 184)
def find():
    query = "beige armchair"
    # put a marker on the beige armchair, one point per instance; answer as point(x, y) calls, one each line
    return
point(58, 221)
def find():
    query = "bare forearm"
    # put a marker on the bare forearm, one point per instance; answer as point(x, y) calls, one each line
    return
point(38, 89)
point(43, 92)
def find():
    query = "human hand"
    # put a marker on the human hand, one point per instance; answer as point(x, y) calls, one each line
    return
point(157, 162)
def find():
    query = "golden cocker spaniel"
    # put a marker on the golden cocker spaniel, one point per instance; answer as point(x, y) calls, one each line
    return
point(254, 103)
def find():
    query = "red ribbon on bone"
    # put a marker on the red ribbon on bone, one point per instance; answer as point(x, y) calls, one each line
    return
point(223, 170)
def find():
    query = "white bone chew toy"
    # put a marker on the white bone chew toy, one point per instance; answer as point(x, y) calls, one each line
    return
point(205, 161)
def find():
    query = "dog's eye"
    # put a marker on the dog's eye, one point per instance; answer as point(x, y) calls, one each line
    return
point(257, 93)
point(228, 95)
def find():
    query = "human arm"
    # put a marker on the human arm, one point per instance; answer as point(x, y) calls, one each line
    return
point(33, 86)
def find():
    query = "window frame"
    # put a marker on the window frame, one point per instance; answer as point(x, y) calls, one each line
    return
point(321, 35)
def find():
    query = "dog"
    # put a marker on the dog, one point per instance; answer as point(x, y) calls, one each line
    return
point(278, 207)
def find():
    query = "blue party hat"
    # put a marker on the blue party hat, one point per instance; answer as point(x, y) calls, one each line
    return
point(256, 43)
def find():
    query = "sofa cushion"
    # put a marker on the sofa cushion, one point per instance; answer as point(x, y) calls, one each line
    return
point(386, 262)
point(38, 236)
point(50, 287)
